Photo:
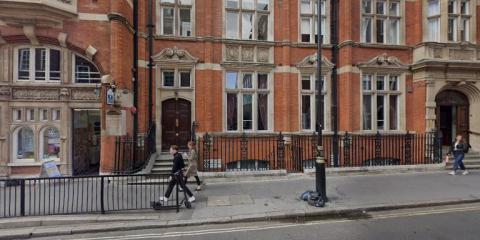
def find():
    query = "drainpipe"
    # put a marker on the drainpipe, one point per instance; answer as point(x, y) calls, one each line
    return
point(335, 52)
point(150, 61)
point(135, 77)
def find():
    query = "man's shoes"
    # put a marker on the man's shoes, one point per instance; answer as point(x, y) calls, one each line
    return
point(191, 199)
point(452, 173)
point(180, 189)
point(163, 199)
point(199, 188)
point(465, 172)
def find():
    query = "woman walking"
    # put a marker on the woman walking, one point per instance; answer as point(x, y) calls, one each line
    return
point(459, 148)
point(192, 169)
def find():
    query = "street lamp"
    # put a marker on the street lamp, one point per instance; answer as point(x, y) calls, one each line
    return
point(320, 177)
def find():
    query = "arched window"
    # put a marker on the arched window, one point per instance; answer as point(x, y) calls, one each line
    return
point(85, 71)
point(50, 143)
point(24, 147)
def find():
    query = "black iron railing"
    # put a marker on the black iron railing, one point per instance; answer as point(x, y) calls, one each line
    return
point(132, 154)
point(88, 194)
point(296, 152)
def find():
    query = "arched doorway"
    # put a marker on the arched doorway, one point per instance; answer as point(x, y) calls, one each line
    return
point(452, 115)
point(176, 123)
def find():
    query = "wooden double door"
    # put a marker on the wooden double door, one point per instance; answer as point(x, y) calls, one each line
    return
point(452, 115)
point(176, 123)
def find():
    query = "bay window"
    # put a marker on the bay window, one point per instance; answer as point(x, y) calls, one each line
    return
point(247, 19)
point(380, 102)
point(380, 21)
point(458, 20)
point(433, 19)
point(175, 17)
point(247, 101)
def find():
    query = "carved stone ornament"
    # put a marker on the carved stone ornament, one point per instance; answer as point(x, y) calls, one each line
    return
point(84, 95)
point(460, 54)
point(231, 53)
point(64, 92)
point(169, 55)
point(311, 62)
point(5, 91)
point(384, 61)
point(36, 94)
point(263, 54)
point(247, 54)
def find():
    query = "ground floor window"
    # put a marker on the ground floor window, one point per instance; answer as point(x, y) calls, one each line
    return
point(50, 139)
point(25, 148)
point(380, 102)
point(247, 101)
point(308, 90)
point(36, 138)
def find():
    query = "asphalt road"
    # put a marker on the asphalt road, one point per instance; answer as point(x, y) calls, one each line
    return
point(460, 222)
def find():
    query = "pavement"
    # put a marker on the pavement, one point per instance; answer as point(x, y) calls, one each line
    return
point(433, 223)
point(252, 199)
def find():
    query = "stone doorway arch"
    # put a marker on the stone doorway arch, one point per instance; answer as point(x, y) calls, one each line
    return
point(452, 115)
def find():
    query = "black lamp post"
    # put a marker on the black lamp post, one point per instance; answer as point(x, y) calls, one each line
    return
point(320, 177)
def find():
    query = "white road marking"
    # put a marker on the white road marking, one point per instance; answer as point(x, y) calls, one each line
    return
point(279, 226)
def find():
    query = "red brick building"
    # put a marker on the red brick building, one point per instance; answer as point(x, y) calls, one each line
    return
point(232, 66)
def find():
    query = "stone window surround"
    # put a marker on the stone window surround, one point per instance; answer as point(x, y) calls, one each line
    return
point(270, 23)
point(326, 104)
point(38, 130)
point(444, 22)
point(32, 64)
point(326, 37)
point(159, 20)
point(63, 63)
point(270, 90)
point(400, 101)
point(401, 17)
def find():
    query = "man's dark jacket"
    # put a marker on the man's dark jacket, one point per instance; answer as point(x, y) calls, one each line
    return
point(178, 163)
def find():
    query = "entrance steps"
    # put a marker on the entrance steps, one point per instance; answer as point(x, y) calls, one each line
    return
point(471, 161)
point(163, 164)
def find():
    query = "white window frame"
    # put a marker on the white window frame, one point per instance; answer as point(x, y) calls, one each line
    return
point(458, 16)
point(256, 13)
point(31, 69)
point(176, 17)
point(386, 17)
point(373, 92)
point(177, 77)
point(43, 117)
point(313, 16)
point(56, 114)
point(312, 93)
point(15, 112)
point(74, 71)
point(240, 91)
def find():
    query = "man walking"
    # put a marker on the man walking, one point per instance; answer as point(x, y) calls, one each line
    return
point(177, 175)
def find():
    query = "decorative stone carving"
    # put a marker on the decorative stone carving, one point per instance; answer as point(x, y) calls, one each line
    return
point(311, 62)
point(169, 55)
point(231, 53)
point(437, 52)
point(247, 54)
point(64, 92)
point(263, 54)
point(384, 61)
point(36, 94)
point(457, 54)
point(84, 95)
point(5, 91)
